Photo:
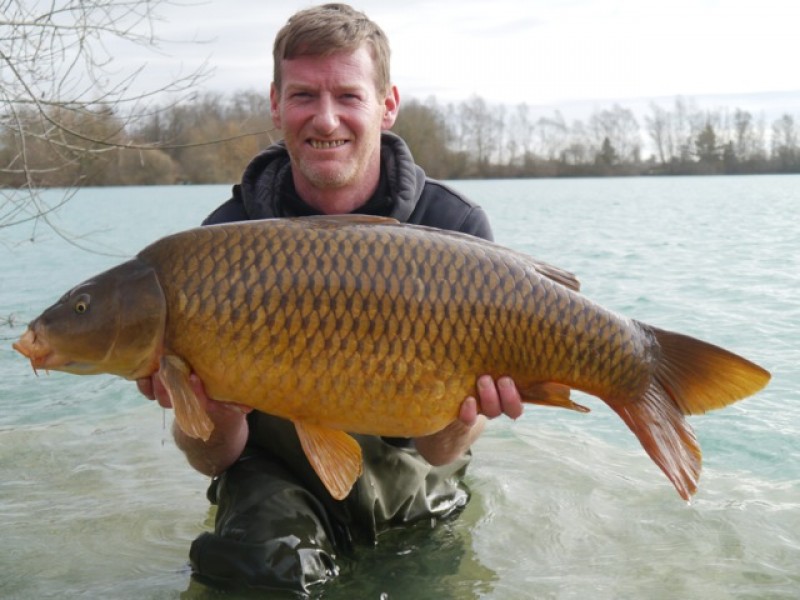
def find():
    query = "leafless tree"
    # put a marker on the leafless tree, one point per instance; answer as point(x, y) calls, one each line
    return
point(659, 128)
point(520, 133)
point(618, 129)
point(748, 136)
point(551, 136)
point(481, 128)
point(58, 73)
point(786, 143)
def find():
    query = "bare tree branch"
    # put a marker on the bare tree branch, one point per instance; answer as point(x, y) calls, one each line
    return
point(64, 98)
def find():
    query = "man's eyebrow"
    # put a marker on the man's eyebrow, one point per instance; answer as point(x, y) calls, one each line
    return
point(297, 85)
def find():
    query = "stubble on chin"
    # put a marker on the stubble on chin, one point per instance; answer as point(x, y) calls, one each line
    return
point(325, 176)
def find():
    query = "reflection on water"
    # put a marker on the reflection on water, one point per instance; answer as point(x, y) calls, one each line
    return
point(96, 502)
point(419, 562)
point(587, 519)
point(441, 560)
point(88, 508)
point(428, 560)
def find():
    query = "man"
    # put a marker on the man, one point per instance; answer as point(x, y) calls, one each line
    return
point(276, 525)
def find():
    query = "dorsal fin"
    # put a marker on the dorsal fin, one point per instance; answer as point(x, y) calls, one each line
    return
point(553, 273)
point(556, 274)
point(348, 219)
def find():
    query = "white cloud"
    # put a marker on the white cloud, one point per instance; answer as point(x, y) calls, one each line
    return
point(539, 52)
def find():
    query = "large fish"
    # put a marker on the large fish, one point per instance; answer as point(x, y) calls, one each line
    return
point(365, 325)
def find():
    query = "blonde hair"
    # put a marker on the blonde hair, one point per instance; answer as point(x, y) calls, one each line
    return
point(327, 29)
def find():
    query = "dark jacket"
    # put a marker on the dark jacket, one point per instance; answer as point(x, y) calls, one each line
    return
point(398, 485)
point(405, 193)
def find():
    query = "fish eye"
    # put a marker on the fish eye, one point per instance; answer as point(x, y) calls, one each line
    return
point(81, 304)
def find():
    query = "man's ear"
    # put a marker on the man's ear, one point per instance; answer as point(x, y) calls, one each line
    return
point(391, 104)
point(274, 102)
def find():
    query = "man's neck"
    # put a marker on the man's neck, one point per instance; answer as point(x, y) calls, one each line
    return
point(338, 201)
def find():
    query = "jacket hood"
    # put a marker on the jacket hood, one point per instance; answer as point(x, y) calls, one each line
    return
point(266, 175)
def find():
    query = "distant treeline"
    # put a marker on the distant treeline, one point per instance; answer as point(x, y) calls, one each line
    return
point(211, 139)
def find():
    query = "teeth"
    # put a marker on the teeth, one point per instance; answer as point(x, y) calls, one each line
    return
point(320, 145)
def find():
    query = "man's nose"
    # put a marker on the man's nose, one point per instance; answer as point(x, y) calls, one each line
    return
point(326, 119)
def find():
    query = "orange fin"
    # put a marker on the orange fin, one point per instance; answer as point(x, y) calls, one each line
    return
point(666, 437)
point(691, 377)
point(700, 376)
point(549, 393)
point(334, 455)
point(347, 219)
point(189, 414)
point(557, 274)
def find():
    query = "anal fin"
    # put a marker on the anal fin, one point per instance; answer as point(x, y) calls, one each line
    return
point(550, 393)
point(334, 455)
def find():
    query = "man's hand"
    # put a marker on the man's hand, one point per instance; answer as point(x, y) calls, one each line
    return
point(230, 427)
point(494, 399)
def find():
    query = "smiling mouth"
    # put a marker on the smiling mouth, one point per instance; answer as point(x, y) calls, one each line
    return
point(326, 145)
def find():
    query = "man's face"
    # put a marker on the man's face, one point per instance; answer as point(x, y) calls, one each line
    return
point(332, 116)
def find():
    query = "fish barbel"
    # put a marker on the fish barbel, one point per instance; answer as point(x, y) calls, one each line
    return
point(364, 325)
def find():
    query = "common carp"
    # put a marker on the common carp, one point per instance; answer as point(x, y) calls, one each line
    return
point(364, 325)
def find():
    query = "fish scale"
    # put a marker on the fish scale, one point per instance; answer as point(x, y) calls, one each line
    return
point(363, 325)
point(293, 273)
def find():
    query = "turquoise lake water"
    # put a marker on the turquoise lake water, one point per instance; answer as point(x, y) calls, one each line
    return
point(95, 500)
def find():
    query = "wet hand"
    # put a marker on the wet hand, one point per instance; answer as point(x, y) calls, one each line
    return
point(495, 398)
point(151, 388)
point(228, 438)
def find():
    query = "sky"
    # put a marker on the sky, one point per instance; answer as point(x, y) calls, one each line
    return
point(546, 53)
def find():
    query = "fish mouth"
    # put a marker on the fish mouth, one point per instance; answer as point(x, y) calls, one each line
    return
point(38, 351)
point(34, 346)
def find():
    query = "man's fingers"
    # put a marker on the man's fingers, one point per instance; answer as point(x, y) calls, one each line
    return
point(145, 385)
point(499, 398)
point(509, 397)
point(153, 389)
point(468, 414)
point(489, 397)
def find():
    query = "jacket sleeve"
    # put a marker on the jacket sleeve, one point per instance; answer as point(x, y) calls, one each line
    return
point(232, 210)
point(477, 223)
point(442, 207)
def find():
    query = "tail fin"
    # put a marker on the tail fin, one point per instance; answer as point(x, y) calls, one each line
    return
point(692, 377)
point(701, 377)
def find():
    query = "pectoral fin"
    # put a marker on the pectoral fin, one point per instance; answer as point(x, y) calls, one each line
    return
point(189, 413)
point(334, 455)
